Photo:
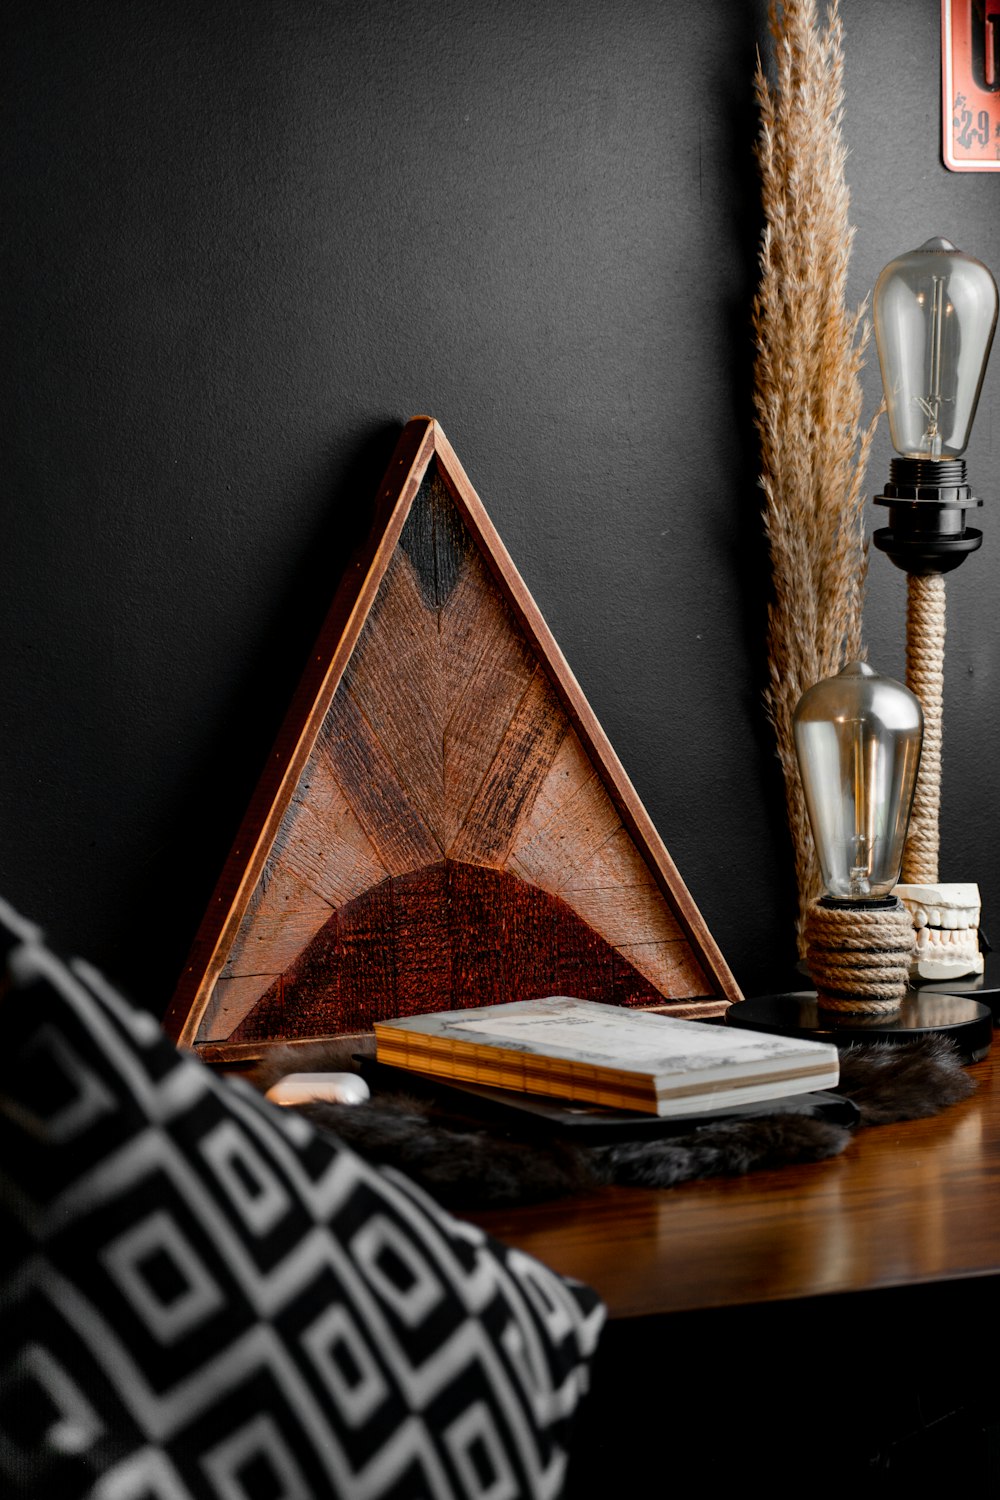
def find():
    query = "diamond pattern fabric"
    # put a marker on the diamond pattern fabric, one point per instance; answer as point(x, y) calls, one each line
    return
point(205, 1298)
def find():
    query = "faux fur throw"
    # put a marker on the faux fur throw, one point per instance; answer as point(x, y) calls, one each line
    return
point(466, 1162)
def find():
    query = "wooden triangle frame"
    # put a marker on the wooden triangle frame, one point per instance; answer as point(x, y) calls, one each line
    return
point(442, 821)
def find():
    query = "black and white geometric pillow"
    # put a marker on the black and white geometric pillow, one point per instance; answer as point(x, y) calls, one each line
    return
point(203, 1296)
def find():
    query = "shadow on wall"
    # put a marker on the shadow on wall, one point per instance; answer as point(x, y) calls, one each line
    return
point(210, 807)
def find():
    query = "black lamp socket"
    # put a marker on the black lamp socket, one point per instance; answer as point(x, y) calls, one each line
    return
point(927, 500)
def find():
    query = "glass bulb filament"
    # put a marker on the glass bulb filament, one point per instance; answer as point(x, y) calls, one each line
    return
point(930, 404)
point(864, 764)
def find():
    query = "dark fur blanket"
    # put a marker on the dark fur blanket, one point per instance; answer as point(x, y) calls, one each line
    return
point(466, 1162)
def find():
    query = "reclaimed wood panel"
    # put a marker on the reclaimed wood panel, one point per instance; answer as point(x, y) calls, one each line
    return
point(442, 822)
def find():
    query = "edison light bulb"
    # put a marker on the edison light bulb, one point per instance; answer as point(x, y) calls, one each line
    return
point(858, 738)
point(935, 313)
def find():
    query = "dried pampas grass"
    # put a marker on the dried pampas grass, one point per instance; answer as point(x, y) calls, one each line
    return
point(809, 353)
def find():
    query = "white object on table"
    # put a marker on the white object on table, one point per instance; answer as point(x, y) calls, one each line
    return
point(301, 1088)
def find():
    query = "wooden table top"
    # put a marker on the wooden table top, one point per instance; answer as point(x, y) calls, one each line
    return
point(904, 1205)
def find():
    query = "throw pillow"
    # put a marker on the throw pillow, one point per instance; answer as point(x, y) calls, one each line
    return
point(201, 1295)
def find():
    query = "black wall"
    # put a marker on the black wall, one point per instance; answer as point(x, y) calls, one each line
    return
point(243, 243)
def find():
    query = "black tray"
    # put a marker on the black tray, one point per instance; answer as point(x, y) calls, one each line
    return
point(534, 1115)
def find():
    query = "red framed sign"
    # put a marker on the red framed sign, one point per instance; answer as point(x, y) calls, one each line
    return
point(970, 84)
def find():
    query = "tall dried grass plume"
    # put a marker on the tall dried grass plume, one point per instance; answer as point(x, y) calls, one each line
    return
point(810, 349)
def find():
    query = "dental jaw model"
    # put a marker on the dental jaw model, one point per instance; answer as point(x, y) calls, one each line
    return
point(946, 930)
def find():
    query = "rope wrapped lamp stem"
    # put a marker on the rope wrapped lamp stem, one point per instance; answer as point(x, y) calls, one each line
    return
point(925, 637)
point(858, 955)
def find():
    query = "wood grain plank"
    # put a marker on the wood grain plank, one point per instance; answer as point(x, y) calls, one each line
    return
point(584, 962)
point(311, 992)
point(402, 634)
point(436, 541)
point(230, 1002)
point(671, 968)
point(321, 841)
point(367, 960)
point(572, 831)
point(283, 918)
point(570, 771)
point(478, 624)
point(381, 803)
point(518, 769)
point(305, 1000)
point(615, 864)
point(396, 687)
point(421, 941)
point(494, 688)
point(502, 937)
point(626, 914)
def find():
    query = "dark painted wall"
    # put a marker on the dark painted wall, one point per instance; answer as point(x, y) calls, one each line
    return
point(243, 243)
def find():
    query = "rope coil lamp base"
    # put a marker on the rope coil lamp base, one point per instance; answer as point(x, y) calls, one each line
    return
point(858, 954)
point(857, 738)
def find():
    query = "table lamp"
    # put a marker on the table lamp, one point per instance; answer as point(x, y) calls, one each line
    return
point(935, 312)
point(857, 741)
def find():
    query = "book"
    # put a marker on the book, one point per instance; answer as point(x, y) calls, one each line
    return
point(561, 1047)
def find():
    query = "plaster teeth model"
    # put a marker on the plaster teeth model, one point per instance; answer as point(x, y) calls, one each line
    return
point(946, 930)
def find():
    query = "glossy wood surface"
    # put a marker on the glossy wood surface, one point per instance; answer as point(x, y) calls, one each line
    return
point(905, 1205)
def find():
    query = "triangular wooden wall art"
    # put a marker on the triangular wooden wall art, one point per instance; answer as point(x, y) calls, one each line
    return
point(442, 822)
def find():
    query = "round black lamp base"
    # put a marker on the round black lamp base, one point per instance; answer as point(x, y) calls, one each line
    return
point(922, 1012)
